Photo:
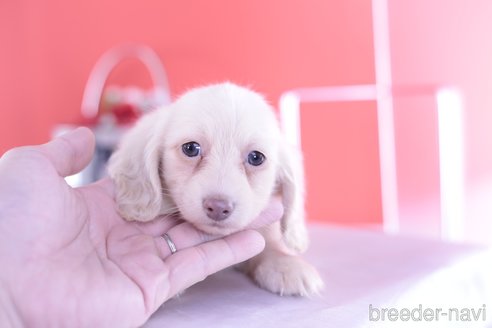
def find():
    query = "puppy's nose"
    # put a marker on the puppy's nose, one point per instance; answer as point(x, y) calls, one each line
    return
point(218, 209)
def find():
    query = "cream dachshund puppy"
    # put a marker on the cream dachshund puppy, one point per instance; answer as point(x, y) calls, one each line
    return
point(216, 156)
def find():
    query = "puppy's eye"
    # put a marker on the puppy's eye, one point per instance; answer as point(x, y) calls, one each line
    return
point(256, 158)
point(191, 149)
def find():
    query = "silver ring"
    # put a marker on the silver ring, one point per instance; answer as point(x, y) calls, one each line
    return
point(170, 243)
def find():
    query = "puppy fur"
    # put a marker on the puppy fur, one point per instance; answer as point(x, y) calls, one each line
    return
point(154, 176)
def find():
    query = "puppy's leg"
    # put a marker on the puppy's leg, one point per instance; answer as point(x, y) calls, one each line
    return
point(280, 270)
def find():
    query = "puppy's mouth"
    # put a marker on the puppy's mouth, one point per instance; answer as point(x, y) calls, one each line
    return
point(218, 229)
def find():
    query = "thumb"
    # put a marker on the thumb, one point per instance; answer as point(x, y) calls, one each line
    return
point(70, 152)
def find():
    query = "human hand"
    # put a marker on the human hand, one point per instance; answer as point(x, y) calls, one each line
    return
point(68, 259)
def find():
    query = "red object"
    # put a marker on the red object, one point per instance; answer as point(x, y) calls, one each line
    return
point(125, 114)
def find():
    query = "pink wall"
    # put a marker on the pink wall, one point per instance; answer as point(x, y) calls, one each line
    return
point(49, 47)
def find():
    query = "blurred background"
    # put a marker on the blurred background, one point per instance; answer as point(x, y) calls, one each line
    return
point(50, 47)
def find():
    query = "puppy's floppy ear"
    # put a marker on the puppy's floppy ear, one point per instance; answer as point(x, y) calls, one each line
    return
point(290, 181)
point(134, 168)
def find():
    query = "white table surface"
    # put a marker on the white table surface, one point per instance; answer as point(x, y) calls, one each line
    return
point(359, 268)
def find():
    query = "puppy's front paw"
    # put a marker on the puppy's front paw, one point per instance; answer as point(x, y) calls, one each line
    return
point(287, 275)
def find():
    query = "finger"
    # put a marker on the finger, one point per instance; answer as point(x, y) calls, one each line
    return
point(183, 235)
point(272, 213)
point(71, 152)
point(194, 264)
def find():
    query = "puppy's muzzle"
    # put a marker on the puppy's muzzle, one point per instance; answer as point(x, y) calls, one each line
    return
point(218, 209)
